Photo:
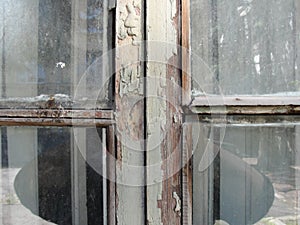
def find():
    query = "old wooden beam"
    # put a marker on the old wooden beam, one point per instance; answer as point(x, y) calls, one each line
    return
point(247, 110)
point(187, 175)
point(52, 102)
point(111, 176)
point(56, 113)
point(245, 120)
point(187, 163)
point(129, 88)
point(273, 105)
point(60, 122)
point(186, 59)
point(163, 113)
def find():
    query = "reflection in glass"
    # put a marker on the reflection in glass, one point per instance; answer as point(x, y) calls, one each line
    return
point(245, 47)
point(254, 178)
point(47, 47)
point(46, 177)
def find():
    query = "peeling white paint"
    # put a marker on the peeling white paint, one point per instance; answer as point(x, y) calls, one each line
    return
point(129, 30)
point(173, 8)
point(162, 28)
point(137, 4)
point(176, 118)
point(132, 19)
point(178, 202)
point(130, 22)
point(122, 32)
point(130, 80)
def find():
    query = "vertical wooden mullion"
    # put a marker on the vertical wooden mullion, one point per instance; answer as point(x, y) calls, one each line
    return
point(111, 175)
point(129, 90)
point(186, 61)
point(187, 159)
point(164, 122)
point(187, 176)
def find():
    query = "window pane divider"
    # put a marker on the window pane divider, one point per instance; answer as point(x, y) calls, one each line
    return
point(55, 117)
point(248, 105)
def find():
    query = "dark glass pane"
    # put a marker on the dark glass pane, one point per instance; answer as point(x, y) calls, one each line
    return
point(52, 176)
point(252, 177)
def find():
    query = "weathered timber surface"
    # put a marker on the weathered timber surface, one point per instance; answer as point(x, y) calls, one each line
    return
point(164, 134)
point(129, 88)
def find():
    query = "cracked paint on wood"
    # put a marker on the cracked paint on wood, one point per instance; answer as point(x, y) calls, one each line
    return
point(129, 114)
point(164, 132)
point(130, 22)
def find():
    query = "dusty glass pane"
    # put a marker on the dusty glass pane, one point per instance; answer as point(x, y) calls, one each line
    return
point(54, 47)
point(252, 179)
point(245, 47)
point(46, 176)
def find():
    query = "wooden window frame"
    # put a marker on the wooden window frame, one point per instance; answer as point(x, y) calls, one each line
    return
point(238, 104)
point(52, 112)
point(49, 111)
point(48, 116)
point(219, 109)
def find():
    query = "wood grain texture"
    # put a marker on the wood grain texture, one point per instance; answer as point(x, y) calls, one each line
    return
point(111, 174)
point(56, 122)
point(187, 175)
point(56, 113)
point(186, 58)
point(130, 176)
point(164, 134)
